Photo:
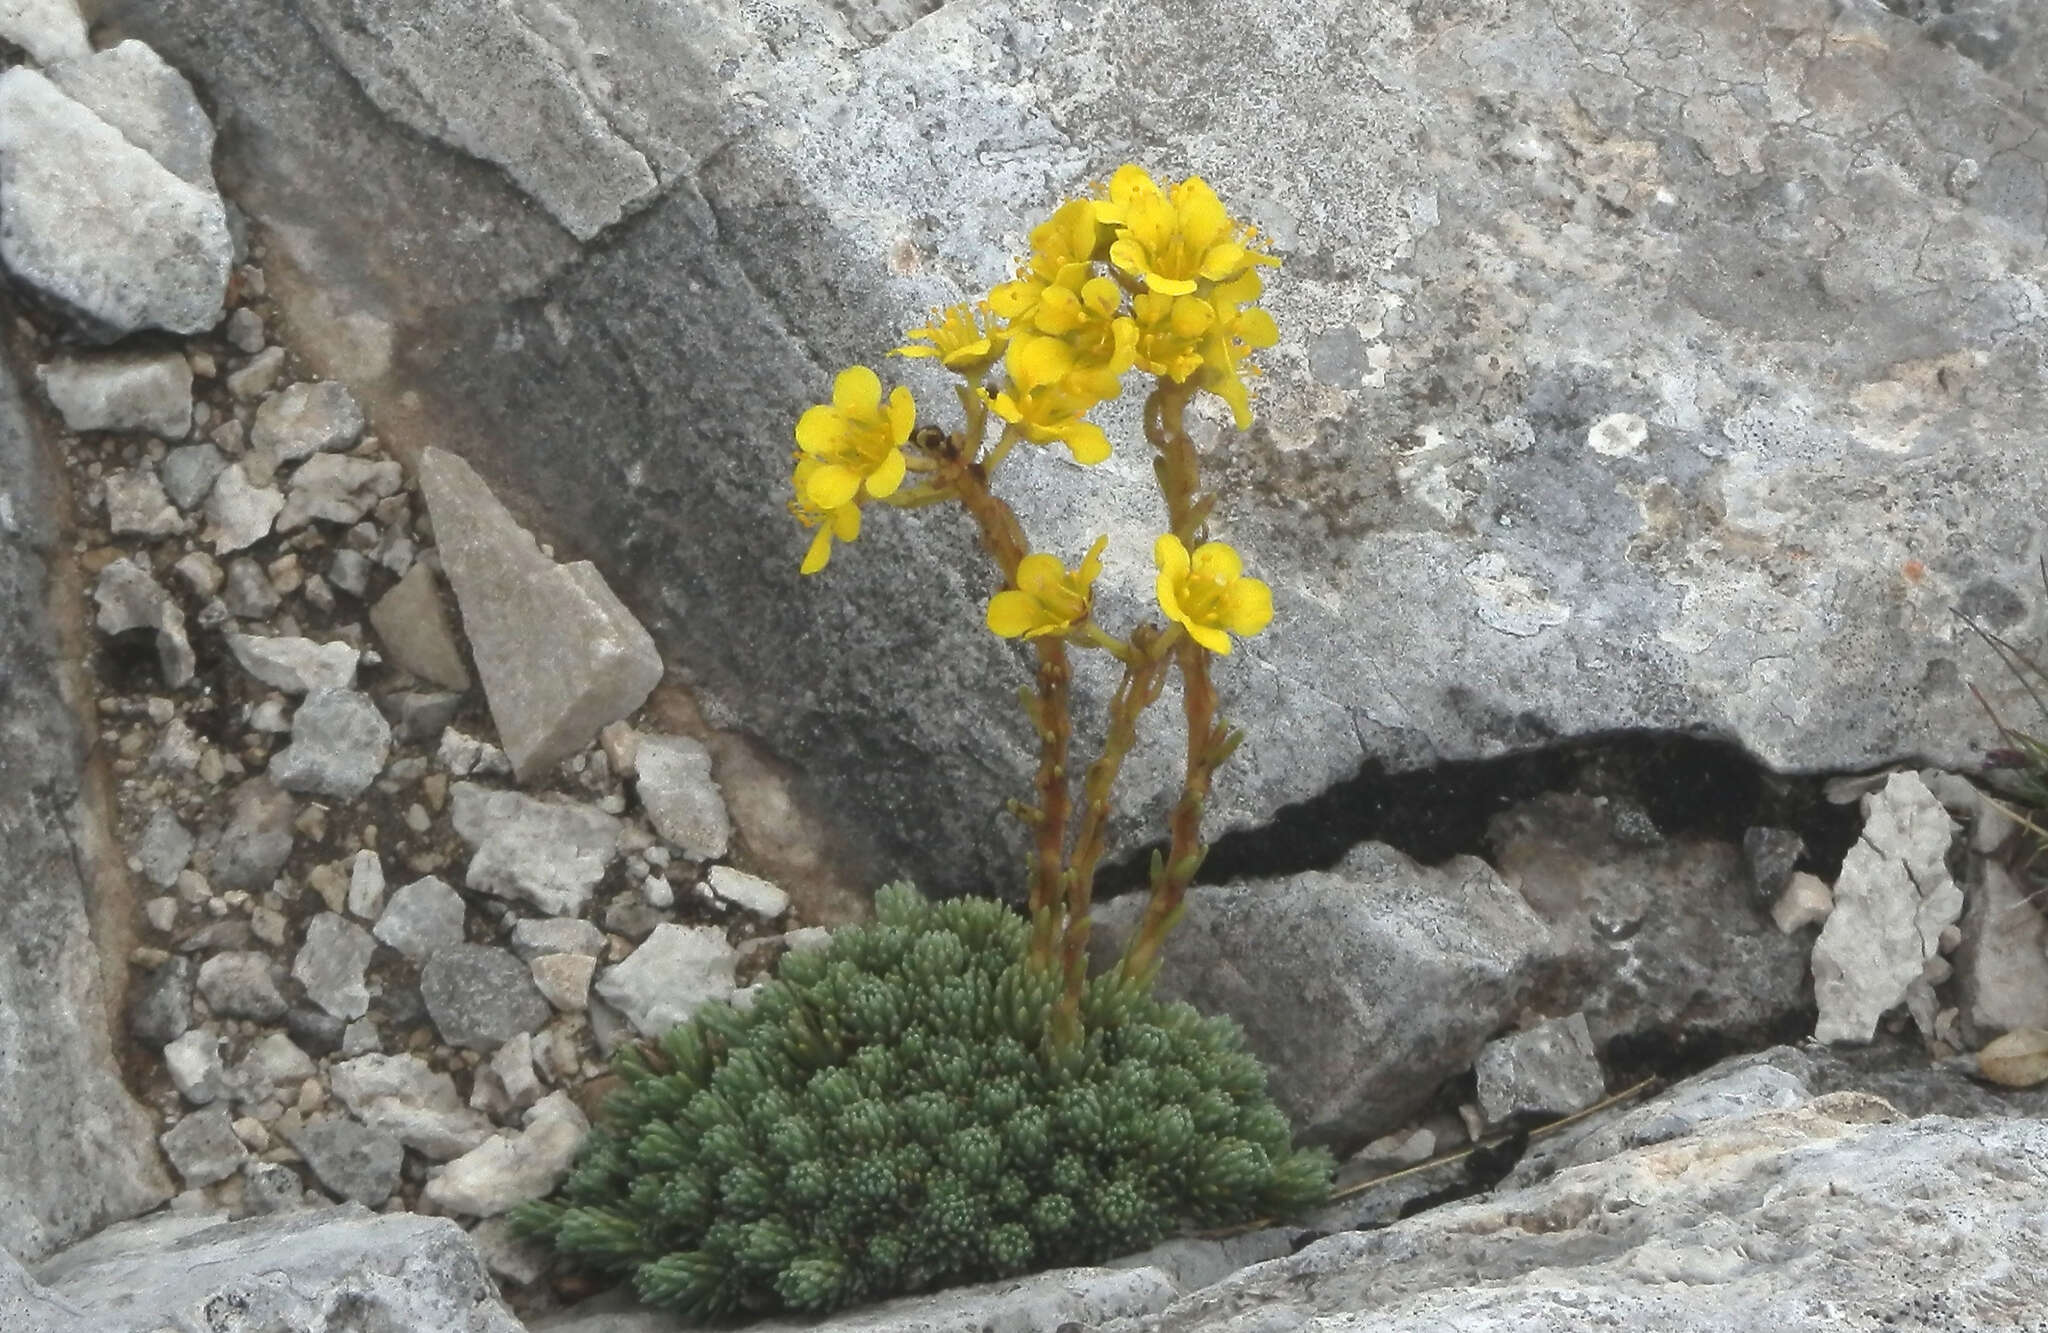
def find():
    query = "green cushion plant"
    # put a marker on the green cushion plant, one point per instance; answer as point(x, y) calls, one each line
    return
point(946, 1095)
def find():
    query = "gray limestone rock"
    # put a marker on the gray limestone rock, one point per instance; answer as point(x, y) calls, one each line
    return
point(403, 1096)
point(189, 473)
point(128, 598)
point(550, 853)
point(501, 1173)
point(100, 227)
point(2001, 961)
point(271, 1187)
point(682, 800)
point(480, 996)
point(330, 966)
point(416, 632)
point(674, 972)
point(304, 420)
point(195, 1067)
point(258, 838)
point(366, 885)
point(240, 511)
point(1892, 899)
point(131, 88)
point(271, 1063)
point(1361, 988)
point(49, 30)
point(255, 379)
point(750, 892)
point(249, 593)
point(203, 1148)
point(245, 331)
point(340, 743)
point(323, 1270)
point(238, 984)
point(336, 488)
point(421, 917)
point(1771, 853)
point(1516, 408)
point(559, 654)
point(1548, 1070)
point(537, 937)
point(164, 848)
point(351, 1159)
point(138, 391)
point(295, 665)
point(137, 505)
point(563, 979)
point(160, 1006)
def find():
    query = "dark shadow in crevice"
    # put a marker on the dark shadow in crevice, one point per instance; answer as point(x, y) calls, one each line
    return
point(1686, 786)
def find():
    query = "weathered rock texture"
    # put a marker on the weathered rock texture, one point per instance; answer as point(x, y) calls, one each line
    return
point(76, 1152)
point(1642, 364)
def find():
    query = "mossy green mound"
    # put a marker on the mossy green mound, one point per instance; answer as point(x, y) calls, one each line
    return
point(889, 1117)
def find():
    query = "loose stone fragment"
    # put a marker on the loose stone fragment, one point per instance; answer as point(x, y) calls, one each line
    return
point(274, 1061)
point(416, 632)
point(258, 838)
point(160, 1010)
point(2001, 957)
point(238, 984)
point(194, 1064)
point(502, 1173)
point(164, 848)
point(403, 1096)
point(130, 87)
point(539, 936)
point(351, 1159)
point(480, 996)
point(138, 507)
point(550, 853)
point(128, 599)
point(249, 595)
point(665, 980)
point(254, 380)
point(305, 420)
point(189, 473)
point(137, 391)
point(51, 31)
point(203, 1148)
point(681, 799)
point(295, 665)
point(340, 743)
point(1550, 1070)
point(559, 654)
point(241, 512)
point(1806, 901)
point(334, 488)
point(331, 964)
point(564, 979)
point(750, 892)
point(422, 917)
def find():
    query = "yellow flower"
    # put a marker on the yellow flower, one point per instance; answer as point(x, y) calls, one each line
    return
point(1171, 333)
point(1063, 247)
point(1047, 598)
point(1079, 339)
point(1207, 593)
point(1052, 414)
point(961, 337)
point(1239, 329)
point(856, 440)
point(843, 522)
point(1171, 240)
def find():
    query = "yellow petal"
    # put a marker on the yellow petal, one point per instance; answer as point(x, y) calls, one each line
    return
point(913, 349)
point(1039, 361)
point(820, 552)
point(902, 414)
point(1130, 182)
point(857, 390)
point(1215, 640)
point(1247, 606)
point(1166, 286)
point(1222, 260)
point(885, 479)
point(1216, 560)
point(1012, 613)
point(1256, 328)
point(830, 487)
point(1006, 407)
point(820, 429)
point(1202, 217)
point(1171, 557)
point(1102, 295)
point(1059, 311)
point(1085, 440)
point(1128, 255)
point(1039, 572)
point(1012, 299)
point(1091, 564)
point(846, 522)
point(1167, 588)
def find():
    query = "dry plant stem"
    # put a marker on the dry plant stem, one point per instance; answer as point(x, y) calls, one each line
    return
point(1180, 478)
point(1051, 717)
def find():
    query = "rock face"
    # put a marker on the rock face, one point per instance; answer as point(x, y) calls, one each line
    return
point(1675, 370)
point(559, 654)
point(1748, 1225)
point(77, 1152)
point(1362, 988)
point(329, 1270)
point(98, 225)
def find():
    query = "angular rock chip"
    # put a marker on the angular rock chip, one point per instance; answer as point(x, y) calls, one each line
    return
point(749, 892)
point(203, 1148)
point(241, 511)
point(421, 917)
point(351, 1159)
point(130, 87)
point(550, 853)
point(331, 963)
point(164, 848)
point(340, 743)
point(189, 473)
point(138, 391)
point(536, 937)
point(502, 1173)
point(402, 1095)
point(416, 632)
point(480, 996)
point(1550, 1070)
point(559, 654)
point(258, 838)
point(304, 420)
point(51, 31)
point(335, 488)
point(673, 973)
point(682, 801)
point(128, 598)
point(138, 507)
point(98, 225)
point(295, 665)
point(238, 984)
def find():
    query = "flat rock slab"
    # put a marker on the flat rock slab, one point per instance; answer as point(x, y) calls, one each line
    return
point(480, 996)
point(549, 853)
point(559, 654)
point(675, 971)
point(327, 1270)
point(75, 1152)
point(129, 391)
point(99, 226)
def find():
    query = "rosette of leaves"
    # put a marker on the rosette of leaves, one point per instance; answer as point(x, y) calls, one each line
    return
point(892, 1115)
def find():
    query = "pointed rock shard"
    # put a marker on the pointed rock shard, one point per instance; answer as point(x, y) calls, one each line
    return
point(559, 654)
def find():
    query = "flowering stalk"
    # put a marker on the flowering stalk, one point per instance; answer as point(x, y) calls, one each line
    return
point(1151, 278)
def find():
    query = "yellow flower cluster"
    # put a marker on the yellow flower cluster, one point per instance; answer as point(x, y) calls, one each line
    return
point(1157, 278)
